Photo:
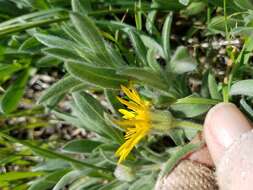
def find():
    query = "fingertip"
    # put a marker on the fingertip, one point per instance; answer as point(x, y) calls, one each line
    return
point(223, 124)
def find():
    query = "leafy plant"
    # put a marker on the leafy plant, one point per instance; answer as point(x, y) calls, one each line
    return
point(101, 46)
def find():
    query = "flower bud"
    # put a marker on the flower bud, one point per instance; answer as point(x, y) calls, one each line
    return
point(161, 121)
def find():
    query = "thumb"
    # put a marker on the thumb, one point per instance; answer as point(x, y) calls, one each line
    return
point(230, 140)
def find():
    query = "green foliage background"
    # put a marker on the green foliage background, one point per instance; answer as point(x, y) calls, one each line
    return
point(100, 45)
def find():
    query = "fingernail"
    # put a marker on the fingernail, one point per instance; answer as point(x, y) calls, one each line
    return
point(223, 124)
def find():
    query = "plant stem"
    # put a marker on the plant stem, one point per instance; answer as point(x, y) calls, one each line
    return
point(208, 14)
point(225, 17)
point(225, 92)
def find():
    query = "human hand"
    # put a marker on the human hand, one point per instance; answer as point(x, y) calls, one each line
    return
point(229, 138)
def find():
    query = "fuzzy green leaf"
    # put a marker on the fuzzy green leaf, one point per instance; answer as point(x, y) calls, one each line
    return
point(81, 146)
point(181, 61)
point(48, 181)
point(98, 76)
point(243, 87)
point(145, 76)
point(166, 36)
point(10, 100)
point(213, 87)
point(60, 87)
point(138, 45)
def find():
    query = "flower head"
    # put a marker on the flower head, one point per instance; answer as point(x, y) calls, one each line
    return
point(136, 121)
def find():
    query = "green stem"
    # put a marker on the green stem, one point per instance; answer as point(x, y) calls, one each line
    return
point(208, 15)
point(225, 87)
point(225, 17)
point(188, 124)
point(225, 92)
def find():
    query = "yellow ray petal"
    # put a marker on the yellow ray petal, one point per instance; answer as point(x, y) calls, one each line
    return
point(127, 114)
point(131, 105)
point(127, 147)
point(132, 94)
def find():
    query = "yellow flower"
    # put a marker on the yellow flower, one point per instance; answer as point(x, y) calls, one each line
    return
point(136, 121)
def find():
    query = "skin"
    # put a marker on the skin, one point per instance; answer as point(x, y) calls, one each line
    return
point(224, 125)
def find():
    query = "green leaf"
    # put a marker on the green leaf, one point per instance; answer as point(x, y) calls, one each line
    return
point(177, 135)
point(111, 97)
point(88, 31)
point(115, 184)
point(91, 35)
point(52, 154)
point(9, 29)
point(60, 87)
point(191, 110)
point(92, 112)
point(48, 181)
point(114, 25)
point(21, 187)
point(177, 156)
point(195, 8)
point(85, 183)
point(31, 44)
point(145, 76)
point(150, 22)
point(150, 43)
point(98, 76)
point(14, 93)
point(152, 62)
point(248, 109)
point(70, 119)
point(166, 36)
point(184, 2)
point(9, 8)
point(243, 58)
point(243, 87)
point(69, 178)
point(244, 4)
point(33, 15)
point(217, 26)
point(213, 88)
point(144, 183)
point(63, 54)
point(6, 70)
point(12, 176)
point(54, 41)
point(82, 7)
point(81, 146)
point(47, 61)
point(181, 61)
point(168, 5)
point(138, 45)
point(197, 100)
point(193, 106)
point(51, 165)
